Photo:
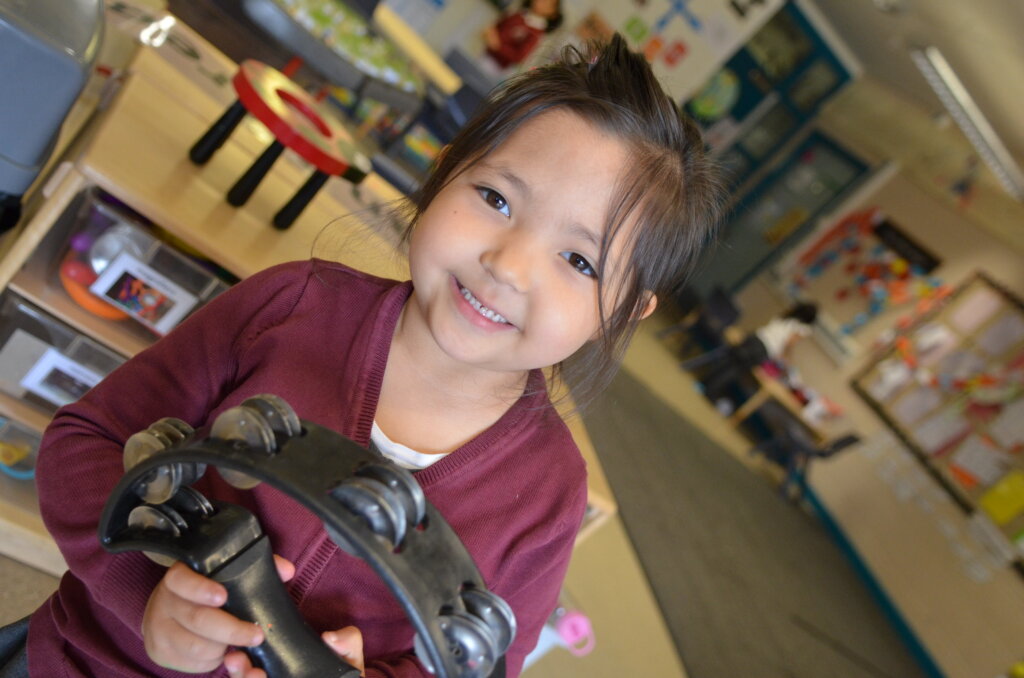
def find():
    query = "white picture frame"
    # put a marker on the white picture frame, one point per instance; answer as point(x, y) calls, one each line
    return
point(153, 299)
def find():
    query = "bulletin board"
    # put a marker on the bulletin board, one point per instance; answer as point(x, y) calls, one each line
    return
point(685, 41)
point(862, 266)
point(951, 386)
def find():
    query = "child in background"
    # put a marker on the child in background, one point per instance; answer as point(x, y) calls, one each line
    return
point(518, 33)
point(549, 228)
point(771, 342)
point(779, 334)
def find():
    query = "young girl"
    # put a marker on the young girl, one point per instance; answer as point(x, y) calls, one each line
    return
point(549, 229)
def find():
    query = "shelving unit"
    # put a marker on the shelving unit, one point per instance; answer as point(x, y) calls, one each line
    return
point(150, 113)
point(37, 282)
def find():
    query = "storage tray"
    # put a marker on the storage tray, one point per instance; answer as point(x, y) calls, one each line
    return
point(42, 360)
point(18, 448)
point(116, 267)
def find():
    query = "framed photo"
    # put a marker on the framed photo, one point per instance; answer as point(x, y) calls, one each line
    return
point(58, 379)
point(153, 299)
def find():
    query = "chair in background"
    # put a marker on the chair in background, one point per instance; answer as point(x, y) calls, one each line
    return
point(792, 448)
point(723, 366)
point(706, 323)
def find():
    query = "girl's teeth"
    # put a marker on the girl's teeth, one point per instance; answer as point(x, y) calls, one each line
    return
point(480, 308)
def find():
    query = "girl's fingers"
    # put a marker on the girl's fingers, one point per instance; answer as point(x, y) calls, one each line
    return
point(238, 665)
point(216, 625)
point(194, 587)
point(190, 585)
point(201, 631)
point(285, 568)
point(348, 644)
point(181, 650)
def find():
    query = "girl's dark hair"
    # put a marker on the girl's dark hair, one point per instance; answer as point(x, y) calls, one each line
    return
point(804, 312)
point(669, 190)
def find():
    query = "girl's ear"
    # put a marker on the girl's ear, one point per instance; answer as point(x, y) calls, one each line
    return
point(649, 306)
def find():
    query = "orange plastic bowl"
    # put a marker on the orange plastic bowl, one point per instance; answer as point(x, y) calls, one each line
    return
point(81, 295)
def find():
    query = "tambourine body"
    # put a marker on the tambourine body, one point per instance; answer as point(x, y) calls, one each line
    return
point(370, 507)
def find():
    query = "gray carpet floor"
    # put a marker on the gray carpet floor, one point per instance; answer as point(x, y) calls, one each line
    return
point(749, 584)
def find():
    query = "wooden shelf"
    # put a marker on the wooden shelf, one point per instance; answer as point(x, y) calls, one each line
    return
point(35, 282)
point(189, 201)
point(34, 417)
point(406, 39)
point(23, 536)
point(37, 279)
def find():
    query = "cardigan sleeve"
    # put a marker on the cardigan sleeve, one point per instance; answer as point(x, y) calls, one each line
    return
point(184, 375)
point(530, 583)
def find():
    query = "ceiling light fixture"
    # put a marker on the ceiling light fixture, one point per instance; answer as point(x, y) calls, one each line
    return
point(968, 116)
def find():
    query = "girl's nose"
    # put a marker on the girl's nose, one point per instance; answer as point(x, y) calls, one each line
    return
point(509, 261)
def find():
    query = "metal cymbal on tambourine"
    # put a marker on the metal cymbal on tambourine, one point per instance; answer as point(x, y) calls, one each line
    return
point(370, 507)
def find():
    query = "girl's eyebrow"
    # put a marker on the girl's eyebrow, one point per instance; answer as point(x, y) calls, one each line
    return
point(578, 230)
point(575, 229)
point(508, 175)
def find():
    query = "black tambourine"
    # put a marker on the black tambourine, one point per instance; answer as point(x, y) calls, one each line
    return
point(372, 508)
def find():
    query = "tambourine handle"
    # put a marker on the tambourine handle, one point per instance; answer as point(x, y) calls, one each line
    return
point(291, 648)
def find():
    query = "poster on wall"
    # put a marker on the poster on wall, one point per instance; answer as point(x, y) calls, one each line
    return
point(951, 386)
point(686, 41)
point(774, 217)
point(864, 265)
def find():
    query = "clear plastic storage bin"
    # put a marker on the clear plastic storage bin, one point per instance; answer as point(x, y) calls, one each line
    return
point(116, 267)
point(42, 360)
point(18, 447)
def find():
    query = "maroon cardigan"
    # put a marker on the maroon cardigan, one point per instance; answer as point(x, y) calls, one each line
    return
point(318, 335)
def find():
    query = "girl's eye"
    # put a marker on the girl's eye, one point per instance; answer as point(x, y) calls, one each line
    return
point(579, 263)
point(494, 199)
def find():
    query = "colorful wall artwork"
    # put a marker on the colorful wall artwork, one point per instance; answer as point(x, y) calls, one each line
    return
point(951, 386)
point(686, 41)
point(863, 266)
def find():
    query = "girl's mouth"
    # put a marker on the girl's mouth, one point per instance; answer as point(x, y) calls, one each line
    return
point(491, 315)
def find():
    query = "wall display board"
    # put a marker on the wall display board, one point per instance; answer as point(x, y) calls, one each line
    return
point(779, 211)
point(861, 266)
point(951, 386)
point(767, 91)
point(685, 40)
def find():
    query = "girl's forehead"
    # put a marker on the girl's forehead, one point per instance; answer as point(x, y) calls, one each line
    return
point(563, 140)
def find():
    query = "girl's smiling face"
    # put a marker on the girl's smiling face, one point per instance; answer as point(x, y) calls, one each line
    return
point(504, 259)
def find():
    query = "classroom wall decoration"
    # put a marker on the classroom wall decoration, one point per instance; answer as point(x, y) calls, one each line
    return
point(686, 41)
point(951, 386)
point(863, 266)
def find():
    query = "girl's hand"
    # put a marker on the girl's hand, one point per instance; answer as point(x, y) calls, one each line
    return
point(347, 643)
point(183, 627)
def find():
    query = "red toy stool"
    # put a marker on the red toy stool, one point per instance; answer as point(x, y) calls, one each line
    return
point(298, 122)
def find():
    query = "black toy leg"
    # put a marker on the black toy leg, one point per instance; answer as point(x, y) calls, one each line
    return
point(284, 218)
point(215, 137)
point(248, 182)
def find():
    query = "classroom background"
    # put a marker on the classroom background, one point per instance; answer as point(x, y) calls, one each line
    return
point(854, 509)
